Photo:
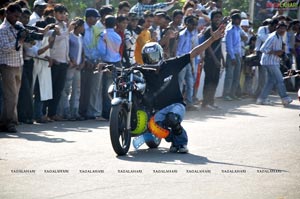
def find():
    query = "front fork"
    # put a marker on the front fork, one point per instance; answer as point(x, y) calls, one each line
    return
point(130, 102)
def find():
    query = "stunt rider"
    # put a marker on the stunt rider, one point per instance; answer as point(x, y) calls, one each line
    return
point(163, 91)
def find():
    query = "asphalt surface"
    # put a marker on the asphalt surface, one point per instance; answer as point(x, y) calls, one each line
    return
point(244, 151)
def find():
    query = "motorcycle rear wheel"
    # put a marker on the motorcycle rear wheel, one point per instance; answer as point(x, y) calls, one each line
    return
point(119, 135)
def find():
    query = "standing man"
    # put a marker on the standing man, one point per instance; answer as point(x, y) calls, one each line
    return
point(188, 39)
point(60, 55)
point(38, 11)
point(90, 82)
point(212, 64)
point(233, 58)
point(262, 34)
point(175, 26)
point(272, 51)
point(11, 60)
point(71, 93)
point(25, 101)
point(96, 109)
point(109, 49)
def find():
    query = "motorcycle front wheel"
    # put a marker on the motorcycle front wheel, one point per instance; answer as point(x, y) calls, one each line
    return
point(119, 135)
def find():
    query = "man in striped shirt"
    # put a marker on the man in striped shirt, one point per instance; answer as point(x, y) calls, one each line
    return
point(143, 5)
point(131, 35)
point(272, 50)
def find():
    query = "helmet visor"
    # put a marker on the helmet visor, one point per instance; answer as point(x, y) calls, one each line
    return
point(152, 54)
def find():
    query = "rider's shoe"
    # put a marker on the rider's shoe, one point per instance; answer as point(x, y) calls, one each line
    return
point(183, 149)
point(173, 149)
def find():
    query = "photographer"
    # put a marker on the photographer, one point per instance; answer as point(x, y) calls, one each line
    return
point(25, 105)
point(11, 60)
point(31, 49)
point(60, 55)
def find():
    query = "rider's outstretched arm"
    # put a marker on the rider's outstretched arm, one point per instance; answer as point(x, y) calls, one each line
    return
point(214, 36)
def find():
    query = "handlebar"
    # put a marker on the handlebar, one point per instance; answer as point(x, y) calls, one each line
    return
point(111, 67)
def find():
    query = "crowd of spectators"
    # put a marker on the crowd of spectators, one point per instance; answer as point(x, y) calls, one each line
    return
point(53, 72)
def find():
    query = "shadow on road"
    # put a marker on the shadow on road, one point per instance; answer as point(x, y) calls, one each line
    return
point(161, 155)
point(42, 132)
point(34, 137)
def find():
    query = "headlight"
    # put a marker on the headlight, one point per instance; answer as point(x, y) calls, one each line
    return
point(110, 91)
point(141, 87)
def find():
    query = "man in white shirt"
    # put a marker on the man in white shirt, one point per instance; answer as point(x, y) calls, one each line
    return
point(272, 50)
point(60, 55)
point(262, 34)
point(38, 10)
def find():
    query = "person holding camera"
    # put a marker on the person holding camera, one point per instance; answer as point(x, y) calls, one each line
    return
point(60, 55)
point(25, 103)
point(272, 51)
point(11, 60)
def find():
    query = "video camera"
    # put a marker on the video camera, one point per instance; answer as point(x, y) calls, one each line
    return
point(30, 34)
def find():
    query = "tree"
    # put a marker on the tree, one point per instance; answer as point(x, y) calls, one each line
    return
point(242, 5)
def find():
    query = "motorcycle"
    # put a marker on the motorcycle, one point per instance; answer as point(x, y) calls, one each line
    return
point(128, 116)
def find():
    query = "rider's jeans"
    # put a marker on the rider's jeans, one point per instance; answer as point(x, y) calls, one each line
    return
point(160, 116)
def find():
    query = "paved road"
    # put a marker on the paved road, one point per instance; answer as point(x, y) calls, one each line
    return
point(244, 151)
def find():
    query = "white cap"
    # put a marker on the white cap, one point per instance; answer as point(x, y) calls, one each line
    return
point(244, 15)
point(39, 3)
point(245, 22)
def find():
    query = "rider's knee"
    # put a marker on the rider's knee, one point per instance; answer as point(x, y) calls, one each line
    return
point(172, 121)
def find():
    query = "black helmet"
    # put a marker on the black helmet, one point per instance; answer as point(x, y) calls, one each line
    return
point(152, 53)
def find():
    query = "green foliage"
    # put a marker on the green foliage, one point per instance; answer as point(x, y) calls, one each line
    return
point(242, 5)
point(76, 8)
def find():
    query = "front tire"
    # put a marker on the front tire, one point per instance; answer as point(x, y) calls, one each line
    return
point(119, 135)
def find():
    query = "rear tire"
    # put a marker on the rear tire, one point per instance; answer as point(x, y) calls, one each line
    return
point(119, 135)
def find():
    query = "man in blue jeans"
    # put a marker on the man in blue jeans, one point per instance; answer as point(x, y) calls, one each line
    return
point(108, 47)
point(163, 91)
point(272, 51)
point(187, 40)
point(233, 58)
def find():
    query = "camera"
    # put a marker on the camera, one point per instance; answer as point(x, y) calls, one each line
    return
point(29, 32)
